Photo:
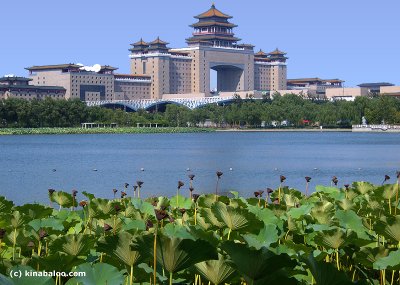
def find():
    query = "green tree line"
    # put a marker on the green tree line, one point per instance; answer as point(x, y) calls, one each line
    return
point(250, 113)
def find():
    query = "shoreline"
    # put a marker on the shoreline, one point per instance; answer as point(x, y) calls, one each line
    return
point(81, 131)
point(284, 130)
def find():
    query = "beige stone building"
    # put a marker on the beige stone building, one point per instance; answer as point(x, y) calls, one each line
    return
point(177, 72)
point(312, 87)
point(79, 81)
point(390, 90)
point(18, 87)
point(346, 93)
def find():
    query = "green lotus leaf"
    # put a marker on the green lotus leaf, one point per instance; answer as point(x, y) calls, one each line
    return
point(176, 254)
point(26, 280)
point(260, 267)
point(144, 207)
point(385, 192)
point(331, 192)
point(323, 212)
point(238, 203)
point(162, 203)
point(363, 187)
point(206, 201)
point(218, 271)
point(178, 231)
point(326, 274)
point(389, 227)
point(345, 204)
point(77, 245)
point(63, 199)
point(299, 213)
point(17, 220)
point(198, 233)
point(351, 221)
point(368, 256)
point(391, 262)
point(51, 223)
point(181, 202)
point(267, 236)
point(292, 249)
point(130, 224)
point(96, 274)
point(101, 208)
point(210, 218)
point(88, 195)
point(236, 219)
point(35, 211)
point(5, 205)
point(264, 214)
point(58, 261)
point(331, 239)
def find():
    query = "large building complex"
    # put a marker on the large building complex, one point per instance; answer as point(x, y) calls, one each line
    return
point(160, 72)
point(185, 72)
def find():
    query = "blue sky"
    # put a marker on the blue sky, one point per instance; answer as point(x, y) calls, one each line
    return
point(356, 41)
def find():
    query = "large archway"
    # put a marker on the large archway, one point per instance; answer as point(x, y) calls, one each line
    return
point(118, 106)
point(161, 106)
point(230, 78)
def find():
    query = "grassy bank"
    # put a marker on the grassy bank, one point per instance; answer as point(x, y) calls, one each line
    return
point(124, 130)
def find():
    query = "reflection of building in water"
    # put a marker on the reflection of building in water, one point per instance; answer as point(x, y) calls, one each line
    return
point(186, 72)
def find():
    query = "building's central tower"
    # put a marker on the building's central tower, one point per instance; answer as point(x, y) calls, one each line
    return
point(212, 48)
point(214, 29)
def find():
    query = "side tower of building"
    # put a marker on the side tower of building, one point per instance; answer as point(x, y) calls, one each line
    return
point(270, 71)
point(152, 59)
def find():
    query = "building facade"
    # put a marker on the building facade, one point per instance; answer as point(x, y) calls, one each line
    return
point(311, 87)
point(186, 72)
point(19, 87)
point(87, 85)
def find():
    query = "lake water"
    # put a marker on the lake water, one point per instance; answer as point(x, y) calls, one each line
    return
point(29, 165)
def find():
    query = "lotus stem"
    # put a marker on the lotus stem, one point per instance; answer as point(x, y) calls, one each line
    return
point(101, 257)
point(195, 214)
point(337, 259)
point(391, 282)
point(14, 242)
point(279, 193)
point(155, 255)
point(131, 276)
point(390, 206)
point(354, 274)
point(229, 233)
point(397, 198)
point(306, 189)
point(216, 190)
point(177, 198)
point(170, 278)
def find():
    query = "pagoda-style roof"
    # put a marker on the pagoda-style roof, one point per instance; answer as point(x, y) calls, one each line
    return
point(140, 43)
point(213, 12)
point(14, 78)
point(108, 67)
point(201, 38)
point(141, 76)
point(32, 87)
point(262, 59)
point(375, 84)
point(261, 53)
point(277, 52)
point(55, 66)
point(312, 80)
point(158, 41)
point(213, 23)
